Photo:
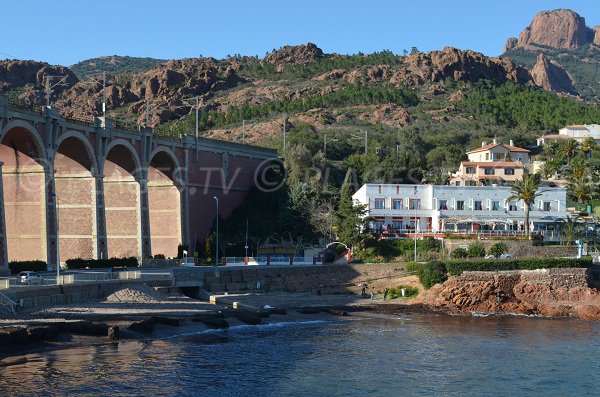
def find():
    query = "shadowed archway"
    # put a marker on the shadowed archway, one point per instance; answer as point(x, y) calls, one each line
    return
point(74, 168)
point(24, 188)
point(122, 202)
point(164, 205)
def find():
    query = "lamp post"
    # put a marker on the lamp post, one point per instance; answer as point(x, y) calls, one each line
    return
point(217, 239)
point(246, 246)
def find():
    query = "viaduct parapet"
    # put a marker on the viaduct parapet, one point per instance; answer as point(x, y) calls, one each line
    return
point(91, 189)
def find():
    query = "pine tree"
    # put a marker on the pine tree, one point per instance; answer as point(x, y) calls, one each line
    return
point(350, 218)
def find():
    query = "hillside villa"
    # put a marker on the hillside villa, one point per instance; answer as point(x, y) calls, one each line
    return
point(492, 164)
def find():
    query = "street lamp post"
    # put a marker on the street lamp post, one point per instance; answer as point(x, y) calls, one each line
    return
point(217, 239)
point(246, 246)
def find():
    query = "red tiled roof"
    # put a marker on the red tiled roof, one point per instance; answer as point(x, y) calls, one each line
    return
point(492, 164)
point(493, 145)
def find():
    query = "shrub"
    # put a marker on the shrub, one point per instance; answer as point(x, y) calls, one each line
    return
point(476, 250)
point(431, 273)
point(459, 253)
point(17, 267)
point(159, 256)
point(101, 263)
point(457, 267)
point(396, 292)
point(498, 249)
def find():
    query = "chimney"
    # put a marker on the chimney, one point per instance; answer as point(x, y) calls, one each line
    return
point(512, 143)
point(483, 143)
point(494, 141)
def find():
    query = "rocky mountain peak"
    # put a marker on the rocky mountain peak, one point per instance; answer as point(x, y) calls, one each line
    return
point(557, 29)
point(597, 35)
point(551, 76)
point(294, 55)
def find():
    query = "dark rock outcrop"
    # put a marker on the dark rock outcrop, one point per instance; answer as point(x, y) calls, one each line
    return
point(557, 29)
point(551, 76)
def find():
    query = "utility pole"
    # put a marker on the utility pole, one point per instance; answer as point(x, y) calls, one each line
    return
point(244, 133)
point(284, 122)
point(93, 79)
point(366, 140)
point(49, 86)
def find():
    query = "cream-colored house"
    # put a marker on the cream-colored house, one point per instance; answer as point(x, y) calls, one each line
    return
point(577, 132)
point(492, 164)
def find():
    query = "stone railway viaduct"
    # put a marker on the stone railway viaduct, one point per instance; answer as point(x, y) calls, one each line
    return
point(75, 189)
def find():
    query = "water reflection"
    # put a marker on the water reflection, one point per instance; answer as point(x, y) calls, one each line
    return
point(419, 355)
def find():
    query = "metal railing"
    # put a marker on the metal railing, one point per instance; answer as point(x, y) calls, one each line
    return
point(8, 304)
point(273, 260)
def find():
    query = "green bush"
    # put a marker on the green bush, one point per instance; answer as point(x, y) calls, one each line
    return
point(432, 273)
point(459, 253)
point(498, 249)
point(101, 263)
point(457, 267)
point(476, 250)
point(396, 292)
point(17, 267)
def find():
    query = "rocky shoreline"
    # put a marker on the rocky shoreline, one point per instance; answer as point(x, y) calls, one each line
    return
point(140, 314)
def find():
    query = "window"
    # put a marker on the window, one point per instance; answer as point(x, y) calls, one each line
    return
point(478, 206)
point(512, 206)
point(377, 226)
point(509, 171)
point(397, 204)
point(470, 183)
point(415, 204)
point(470, 170)
point(487, 156)
point(495, 205)
point(379, 204)
point(457, 183)
point(396, 225)
point(443, 204)
point(547, 206)
point(489, 171)
point(460, 205)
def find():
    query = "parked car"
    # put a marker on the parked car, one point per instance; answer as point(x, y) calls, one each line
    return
point(502, 256)
point(30, 278)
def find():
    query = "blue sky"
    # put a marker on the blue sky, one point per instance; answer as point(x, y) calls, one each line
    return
point(65, 32)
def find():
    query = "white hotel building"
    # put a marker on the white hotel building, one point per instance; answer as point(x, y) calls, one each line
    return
point(439, 209)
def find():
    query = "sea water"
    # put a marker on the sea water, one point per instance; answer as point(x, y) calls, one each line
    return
point(420, 355)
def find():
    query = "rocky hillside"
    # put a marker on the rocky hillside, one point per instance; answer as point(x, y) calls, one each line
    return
point(114, 64)
point(566, 43)
point(447, 95)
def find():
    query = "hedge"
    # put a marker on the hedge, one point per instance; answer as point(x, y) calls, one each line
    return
point(17, 267)
point(429, 273)
point(456, 267)
point(101, 263)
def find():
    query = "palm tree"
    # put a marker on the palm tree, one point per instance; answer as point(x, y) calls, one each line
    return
point(527, 190)
point(568, 149)
point(548, 169)
point(588, 146)
point(570, 229)
point(580, 189)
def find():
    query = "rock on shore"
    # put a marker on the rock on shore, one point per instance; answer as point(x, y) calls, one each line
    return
point(544, 292)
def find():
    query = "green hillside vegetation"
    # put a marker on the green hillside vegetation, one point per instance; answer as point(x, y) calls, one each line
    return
point(582, 64)
point(114, 64)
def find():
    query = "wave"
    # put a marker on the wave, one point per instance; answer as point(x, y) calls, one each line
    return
point(248, 327)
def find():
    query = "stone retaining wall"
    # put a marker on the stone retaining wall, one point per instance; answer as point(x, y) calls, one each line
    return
point(328, 278)
point(560, 277)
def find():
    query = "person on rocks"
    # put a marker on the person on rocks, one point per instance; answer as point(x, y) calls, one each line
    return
point(385, 293)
